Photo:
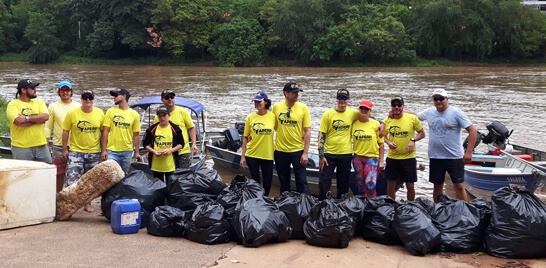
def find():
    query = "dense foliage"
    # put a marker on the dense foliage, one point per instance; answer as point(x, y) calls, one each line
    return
point(248, 32)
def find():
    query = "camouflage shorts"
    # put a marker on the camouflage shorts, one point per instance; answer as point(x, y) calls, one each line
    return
point(78, 164)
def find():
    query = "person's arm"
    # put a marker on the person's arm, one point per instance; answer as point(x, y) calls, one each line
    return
point(136, 144)
point(381, 155)
point(193, 138)
point(472, 136)
point(242, 163)
point(104, 143)
point(65, 136)
point(321, 141)
point(306, 142)
point(49, 124)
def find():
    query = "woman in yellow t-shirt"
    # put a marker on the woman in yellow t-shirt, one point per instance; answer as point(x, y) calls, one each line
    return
point(163, 140)
point(258, 141)
point(368, 150)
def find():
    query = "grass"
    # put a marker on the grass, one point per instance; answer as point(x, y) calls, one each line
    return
point(4, 123)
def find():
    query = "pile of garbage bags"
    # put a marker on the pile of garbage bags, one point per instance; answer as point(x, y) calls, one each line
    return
point(200, 207)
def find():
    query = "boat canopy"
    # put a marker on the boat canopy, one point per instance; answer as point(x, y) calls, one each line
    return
point(195, 106)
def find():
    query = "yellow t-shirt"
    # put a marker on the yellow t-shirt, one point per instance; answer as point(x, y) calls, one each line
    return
point(261, 128)
point(366, 140)
point(26, 137)
point(57, 111)
point(400, 131)
point(163, 141)
point(122, 124)
point(85, 130)
point(290, 129)
point(337, 126)
point(182, 118)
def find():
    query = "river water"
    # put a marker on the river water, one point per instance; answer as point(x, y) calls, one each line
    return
point(515, 96)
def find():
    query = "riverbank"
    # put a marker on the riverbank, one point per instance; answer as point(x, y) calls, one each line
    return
point(278, 62)
point(86, 240)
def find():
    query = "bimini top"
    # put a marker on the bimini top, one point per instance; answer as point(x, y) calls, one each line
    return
point(193, 105)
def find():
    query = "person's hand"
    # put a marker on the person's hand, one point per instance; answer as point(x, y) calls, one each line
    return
point(194, 149)
point(322, 163)
point(156, 153)
point(138, 157)
point(467, 158)
point(410, 147)
point(381, 166)
point(103, 156)
point(392, 145)
point(242, 163)
point(65, 154)
point(304, 160)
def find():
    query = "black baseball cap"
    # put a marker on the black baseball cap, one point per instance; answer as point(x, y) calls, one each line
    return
point(166, 93)
point(120, 91)
point(291, 87)
point(24, 83)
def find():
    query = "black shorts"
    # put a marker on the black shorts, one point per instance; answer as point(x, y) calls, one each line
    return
point(439, 167)
point(401, 169)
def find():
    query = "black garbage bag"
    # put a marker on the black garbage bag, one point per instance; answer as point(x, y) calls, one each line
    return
point(377, 221)
point(150, 193)
point(208, 224)
point(167, 221)
point(240, 190)
point(188, 189)
point(328, 225)
point(354, 206)
point(415, 228)
point(426, 204)
point(484, 206)
point(297, 208)
point(518, 225)
point(459, 224)
point(260, 221)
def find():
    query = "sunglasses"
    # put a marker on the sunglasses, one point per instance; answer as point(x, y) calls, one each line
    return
point(288, 113)
point(64, 91)
point(88, 98)
point(169, 97)
point(342, 98)
point(397, 105)
point(439, 99)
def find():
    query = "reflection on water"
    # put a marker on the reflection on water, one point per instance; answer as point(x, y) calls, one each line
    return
point(515, 96)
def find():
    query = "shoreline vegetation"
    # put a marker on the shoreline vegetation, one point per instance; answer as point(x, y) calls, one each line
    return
point(275, 62)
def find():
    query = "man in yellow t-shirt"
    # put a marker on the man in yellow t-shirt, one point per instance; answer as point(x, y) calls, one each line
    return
point(27, 115)
point(293, 138)
point(400, 137)
point(57, 111)
point(182, 118)
point(121, 131)
point(81, 139)
point(334, 145)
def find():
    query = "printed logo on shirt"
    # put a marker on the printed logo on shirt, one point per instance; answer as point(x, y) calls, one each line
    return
point(396, 132)
point(286, 121)
point(360, 135)
point(160, 142)
point(119, 121)
point(85, 127)
point(259, 129)
point(26, 111)
point(339, 125)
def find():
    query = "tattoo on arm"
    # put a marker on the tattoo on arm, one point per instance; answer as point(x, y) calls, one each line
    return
point(321, 141)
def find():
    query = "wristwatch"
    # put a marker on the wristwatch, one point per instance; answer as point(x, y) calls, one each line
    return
point(27, 118)
point(412, 139)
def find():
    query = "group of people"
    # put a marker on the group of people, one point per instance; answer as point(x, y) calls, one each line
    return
point(83, 135)
point(352, 137)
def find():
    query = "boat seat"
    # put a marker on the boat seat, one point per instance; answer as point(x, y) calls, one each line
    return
point(524, 157)
point(478, 168)
point(487, 157)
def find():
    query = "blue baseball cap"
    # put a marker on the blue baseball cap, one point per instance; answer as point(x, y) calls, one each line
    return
point(65, 83)
point(260, 96)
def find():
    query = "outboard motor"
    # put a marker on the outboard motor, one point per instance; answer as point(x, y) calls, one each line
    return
point(240, 126)
point(232, 140)
point(498, 135)
point(479, 139)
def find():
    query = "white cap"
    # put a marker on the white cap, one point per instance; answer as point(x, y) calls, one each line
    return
point(442, 92)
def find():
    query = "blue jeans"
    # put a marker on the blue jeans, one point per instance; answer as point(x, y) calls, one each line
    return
point(124, 159)
point(282, 164)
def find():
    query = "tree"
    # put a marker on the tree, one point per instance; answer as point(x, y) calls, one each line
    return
point(182, 22)
point(41, 32)
point(239, 43)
